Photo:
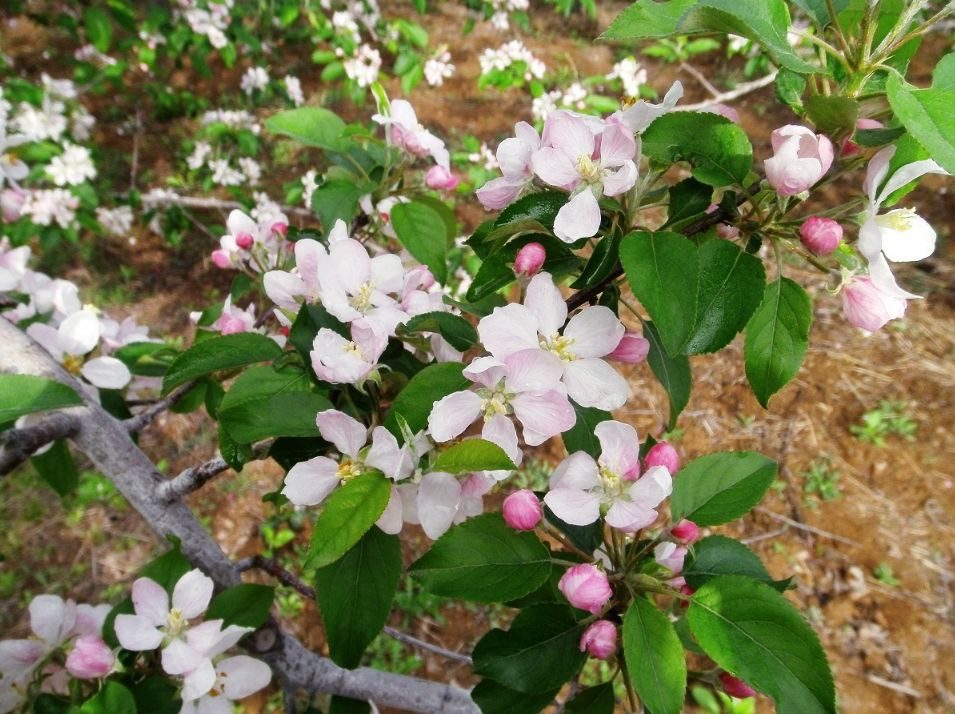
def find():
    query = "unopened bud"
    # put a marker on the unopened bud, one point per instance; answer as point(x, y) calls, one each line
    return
point(522, 510)
point(600, 639)
point(529, 259)
point(820, 235)
point(736, 687)
point(221, 259)
point(90, 658)
point(586, 587)
point(662, 454)
point(440, 178)
point(686, 532)
point(280, 228)
point(631, 349)
point(726, 231)
point(244, 241)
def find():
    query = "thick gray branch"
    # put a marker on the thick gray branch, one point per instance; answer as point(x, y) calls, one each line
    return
point(106, 442)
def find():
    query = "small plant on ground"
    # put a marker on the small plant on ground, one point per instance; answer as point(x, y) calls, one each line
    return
point(821, 481)
point(890, 418)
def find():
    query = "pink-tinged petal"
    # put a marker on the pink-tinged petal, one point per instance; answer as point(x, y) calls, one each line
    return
point(621, 180)
point(546, 304)
point(498, 193)
point(151, 601)
point(543, 415)
point(882, 278)
point(179, 658)
point(79, 333)
point(283, 288)
point(337, 360)
point(48, 338)
point(408, 492)
point(578, 218)
point(19, 656)
point(825, 152)
point(907, 174)
point(577, 471)
point(243, 675)
point(513, 157)
point(346, 433)
point(507, 330)
point(573, 506)
point(192, 593)
point(790, 175)
point(90, 619)
point(568, 133)
point(438, 496)
point(452, 414)
point(391, 519)
point(555, 167)
point(239, 223)
point(528, 134)
point(388, 273)
point(473, 489)
point(204, 636)
point(651, 489)
point(875, 174)
point(349, 259)
point(226, 638)
point(642, 114)
point(393, 461)
point(501, 431)
point(106, 373)
point(309, 255)
point(486, 371)
point(787, 133)
point(617, 146)
point(137, 634)
point(619, 447)
point(533, 371)
point(595, 330)
point(52, 618)
point(629, 517)
point(403, 113)
point(594, 383)
point(199, 681)
point(308, 483)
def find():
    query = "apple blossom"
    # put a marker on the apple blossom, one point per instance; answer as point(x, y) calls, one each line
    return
point(13, 266)
point(438, 177)
point(529, 259)
point(586, 587)
point(576, 350)
point(599, 639)
point(800, 158)
point(670, 556)
point(235, 678)
point(514, 159)
point(581, 488)
point(571, 158)
point(663, 454)
point(632, 349)
point(339, 360)
point(522, 510)
point(686, 532)
point(11, 203)
point(736, 687)
point(820, 235)
point(90, 658)
point(407, 134)
point(12, 169)
point(641, 114)
point(866, 305)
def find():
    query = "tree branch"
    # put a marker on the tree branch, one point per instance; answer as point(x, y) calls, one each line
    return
point(18, 445)
point(137, 423)
point(740, 90)
point(174, 199)
point(195, 477)
point(106, 441)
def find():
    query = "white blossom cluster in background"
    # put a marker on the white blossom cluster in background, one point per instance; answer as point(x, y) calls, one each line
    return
point(438, 68)
point(255, 80)
point(631, 75)
point(293, 87)
point(363, 66)
point(223, 171)
point(501, 9)
point(509, 53)
point(208, 18)
point(233, 118)
point(574, 97)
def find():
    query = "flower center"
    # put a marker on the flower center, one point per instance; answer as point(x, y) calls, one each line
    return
point(901, 219)
point(589, 169)
point(348, 469)
point(495, 402)
point(361, 300)
point(353, 349)
point(175, 623)
point(560, 346)
point(72, 364)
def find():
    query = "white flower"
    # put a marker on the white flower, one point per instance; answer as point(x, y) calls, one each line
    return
point(48, 206)
point(254, 79)
point(234, 119)
point(58, 88)
point(72, 167)
point(224, 174)
point(235, 678)
point(81, 123)
point(293, 86)
point(509, 53)
point(309, 185)
point(439, 68)
point(117, 220)
point(250, 167)
point(47, 122)
point(200, 152)
point(631, 75)
point(363, 67)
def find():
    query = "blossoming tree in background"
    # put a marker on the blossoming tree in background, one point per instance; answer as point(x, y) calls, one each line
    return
point(399, 377)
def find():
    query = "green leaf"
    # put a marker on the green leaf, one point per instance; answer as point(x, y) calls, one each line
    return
point(790, 86)
point(753, 632)
point(593, 700)
point(943, 76)
point(717, 149)
point(336, 201)
point(156, 695)
point(265, 402)
point(777, 337)
point(927, 114)
point(654, 657)
point(233, 453)
point(459, 333)
point(764, 21)
point(602, 261)
point(539, 653)
point(819, 9)
point(218, 353)
point(832, 114)
point(113, 698)
point(345, 705)
point(56, 467)
point(22, 394)
point(246, 605)
point(648, 19)
point(348, 514)
point(415, 401)
point(718, 555)
point(313, 126)
point(581, 437)
point(540, 208)
point(355, 594)
point(673, 373)
point(494, 698)
point(422, 231)
point(99, 29)
point(663, 271)
point(689, 200)
point(718, 488)
point(731, 286)
point(473, 455)
point(483, 560)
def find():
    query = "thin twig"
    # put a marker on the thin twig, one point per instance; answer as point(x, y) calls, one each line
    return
point(195, 477)
point(137, 423)
point(740, 90)
point(18, 445)
point(421, 644)
point(698, 75)
point(803, 527)
point(764, 536)
point(174, 199)
point(900, 688)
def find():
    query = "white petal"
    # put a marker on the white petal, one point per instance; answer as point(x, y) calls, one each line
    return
point(345, 432)
point(438, 496)
point(573, 506)
point(619, 446)
point(545, 302)
point(651, 489)
point(543, 415)
point(136, 634)
point(578, 218)
point(501, 431)
point(391, 519)
point(507, 330)
point(907, 174)
point(629, 517)
point(532, 370)
point(243, 675)
point(192, 593)
point(452, 414)
point(79, 333)
point(578, 471)
point(308, 483)
point(106, 373)
point(915, 242)
point(52, 618)
point(180, 658)
point(151, 601)
point(595, 330)
point(594, 383)
point(199, 681)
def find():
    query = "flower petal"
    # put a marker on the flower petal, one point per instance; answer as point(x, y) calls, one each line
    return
point(308, 483)
point(619, 447)
point(243, 675)
point(507, 330)
point(151, 601)
point(438, 496)
point(579, 470)
point(543, 415)
point(546, 304)
point(594, 383)
point(573, 506)
point(578, 218)
point(452, 414)
point(192, 594)
point(106, 373)
point(136, 634)
point(595, 330)
point(346, 433)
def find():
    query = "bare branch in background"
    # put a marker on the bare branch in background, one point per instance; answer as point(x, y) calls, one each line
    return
point(740, 90)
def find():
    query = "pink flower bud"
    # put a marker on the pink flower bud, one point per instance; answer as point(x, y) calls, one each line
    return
point(230, 325)
point(90, 658)
point(279, 228)
point(800, 158)
point(522, 510)
point(820, 235)
point(866, 306)
point(686, 532)
point(631, 349)
point(600, 639)
point(221, 259)
point(670, 556)
point(849, 147)
point(529, 259)
point(736, 687)
point(586, 587)
point(726, 231)
point(662, 454)
point(440, 178)
point(244, 241)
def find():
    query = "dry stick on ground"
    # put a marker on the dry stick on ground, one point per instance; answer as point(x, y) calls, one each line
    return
point(106, 441)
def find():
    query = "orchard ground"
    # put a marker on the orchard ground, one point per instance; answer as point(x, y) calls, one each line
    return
point(867, 530)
